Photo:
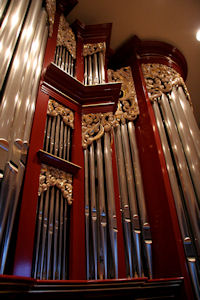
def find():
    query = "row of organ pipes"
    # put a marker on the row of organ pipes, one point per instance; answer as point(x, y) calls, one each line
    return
point(179, 136)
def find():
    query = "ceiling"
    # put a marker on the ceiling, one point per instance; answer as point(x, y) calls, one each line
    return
point(171, 21)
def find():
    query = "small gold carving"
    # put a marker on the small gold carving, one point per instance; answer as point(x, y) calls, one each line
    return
point(66, 36)
point(50, 176)
point(54, 109)
point(89, 49)
point(94, 126)
point(161, 79)
point(51, 9)
point(127, 105)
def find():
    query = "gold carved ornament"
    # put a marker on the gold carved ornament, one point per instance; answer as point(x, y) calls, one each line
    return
point(51, 9)
point(94, 125)
point(50, 176)
point(66, 37)
point(161, 79)
point(89, 49)
point(54, 109)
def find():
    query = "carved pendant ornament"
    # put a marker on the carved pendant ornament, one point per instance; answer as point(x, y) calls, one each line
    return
point(54, 109)
point(50, 176)
point(51, 10)
point(66, 37)
point(89, 49)
point(94, 125)
point(161, 79)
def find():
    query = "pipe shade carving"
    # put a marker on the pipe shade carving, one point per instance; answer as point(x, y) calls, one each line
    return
point(51, 10)
point(55, 109)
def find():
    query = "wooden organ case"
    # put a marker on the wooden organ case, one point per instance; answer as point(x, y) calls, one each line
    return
point(99, 163)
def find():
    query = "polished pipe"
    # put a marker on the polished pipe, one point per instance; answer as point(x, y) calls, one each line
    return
point(39, 231)
point(95, 75)
point(89, 70)
point(192, 124)
point(68, 143)
point(87, 213)
point(69, 64)
point(94, 218)
point(132, 201)
point(101, 68)
point(60, 237)
point(124, 198)
point(102, 213)
point(111, 201)
point(52, 135)
point(64, 258)
point(48, 132)
point(184, 175)
point(9, 33)
point(65, 142)
point(141, 199)
point(28, 82)
point(187, 141)
point(10, 99)
point(3, 4)
point(61, 139)
point(66, 60)
point(85, 71)
point(55, 235)
point(57, 132)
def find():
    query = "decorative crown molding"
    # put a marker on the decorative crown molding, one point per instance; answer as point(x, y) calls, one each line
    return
point(66, 37)
point(161, 79)
point(51, 10)
point(50, 176)
point(54, 109)
point(89, 49)
point(127, 105)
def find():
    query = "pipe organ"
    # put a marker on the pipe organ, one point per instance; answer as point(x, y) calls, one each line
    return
point(99, 162)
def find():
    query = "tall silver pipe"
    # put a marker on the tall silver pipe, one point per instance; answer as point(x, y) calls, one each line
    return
point(52, 135)
point(11, 94)
point(3, 4)
point(111, 201)
point(55, 235)
point(9, 33)
point(65, 142)
point(101, 67)
point(68, 143)
point(85, 71)
point(87, 213)
point(141, 199)
point(31, 108)
point(102, 214)
point(132, 201)
point(95, 75)
point(184, 175)
point(89, 70)
point(192, 124)
point(189, 251)
point(93, 210)
point(187, 141)
point(39, 231)
point(66, 61)
point(57, 131)
point(60, 237)
point(124, 198)
point(64, 259)
point(61, 138)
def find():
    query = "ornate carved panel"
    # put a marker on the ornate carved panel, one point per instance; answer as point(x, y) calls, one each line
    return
point(54, 109)
point(161, 79)
point(89, 49)
point(50, 176)
point(51, 9)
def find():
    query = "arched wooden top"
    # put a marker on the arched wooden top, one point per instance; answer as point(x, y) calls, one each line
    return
point(149, 52)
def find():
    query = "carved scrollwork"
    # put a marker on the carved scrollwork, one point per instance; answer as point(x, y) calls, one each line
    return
point(66, 37)
point(161, 79)
point(127, 106)
point(51, 9)
point(94, 126)
point(89, 49)
point(50, 176)
point(54, 109)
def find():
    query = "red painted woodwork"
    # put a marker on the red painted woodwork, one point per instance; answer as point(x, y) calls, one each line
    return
point(103, 94)
point(57, 162)
point(77, 256)
point(168, 252)
point(120, 238)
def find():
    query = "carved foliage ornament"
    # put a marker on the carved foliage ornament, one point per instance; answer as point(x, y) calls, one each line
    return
point(54, 109)
point(50, 176)
point(89, 49)
point(161, 79)
point(51, 9)
point(94, 125)
point(127, 105)
point(66, 36)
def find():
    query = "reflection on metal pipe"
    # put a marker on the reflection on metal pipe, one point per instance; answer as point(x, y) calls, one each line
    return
point(2, 7)
point(9, 33)
point(111, 201)
point(87, 212)
point(184, 175)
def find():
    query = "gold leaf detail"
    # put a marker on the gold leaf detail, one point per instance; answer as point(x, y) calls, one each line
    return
point(50, 176)
point(89, 49)
point(54, 109)
point(51, 9)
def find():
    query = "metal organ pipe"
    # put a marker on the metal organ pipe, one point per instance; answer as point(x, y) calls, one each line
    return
point(182, 218)
point(9, 33)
